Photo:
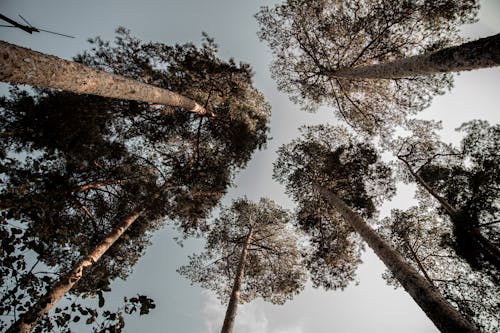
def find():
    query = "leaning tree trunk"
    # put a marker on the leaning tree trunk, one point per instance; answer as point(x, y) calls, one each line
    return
point(227, 327)
point(31, 317)
point(481, 53)
point(24, 66)
point(446, 318)
point(490, 251)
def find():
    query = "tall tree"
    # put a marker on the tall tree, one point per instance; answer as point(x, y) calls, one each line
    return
point(24, 66)
point(123, 153)
point(327, 167)
point(314, 42)
point(464, 181)
point(418, 234)
point(250, 252)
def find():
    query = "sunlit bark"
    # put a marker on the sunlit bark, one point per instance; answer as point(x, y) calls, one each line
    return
point(481, 53)
point(24, 66)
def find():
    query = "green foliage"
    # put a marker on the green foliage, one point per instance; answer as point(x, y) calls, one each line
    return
point(331, 157)
point(312, 39)
point(273, 269)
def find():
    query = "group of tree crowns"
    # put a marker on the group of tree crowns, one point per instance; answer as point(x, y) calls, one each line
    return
point(81, 173)
point(375, 63)
point(86, 179)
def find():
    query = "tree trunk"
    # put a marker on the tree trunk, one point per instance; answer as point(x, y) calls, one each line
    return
point(227, 327)
point(24, 66)
point(481, 53)
point(31, 317)
point(446, 318)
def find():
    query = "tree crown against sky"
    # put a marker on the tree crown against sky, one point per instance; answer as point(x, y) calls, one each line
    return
point(466, 179)
point(332, 158)
point(273, 270)
point(309, 40)
point(56, 143)
point(417, 233)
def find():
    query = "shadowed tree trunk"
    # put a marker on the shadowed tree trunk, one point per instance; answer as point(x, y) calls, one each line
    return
point(24, 66)
point(442, 314)
point(481, 53)
point(227, 327)
point(461, 221)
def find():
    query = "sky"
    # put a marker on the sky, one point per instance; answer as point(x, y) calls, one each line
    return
point(370, 306)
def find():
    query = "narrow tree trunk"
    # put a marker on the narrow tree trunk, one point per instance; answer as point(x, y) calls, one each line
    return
point(446, 318)
point(31, 317)
point(481, 53)
point(490, 251)
point(21, 65)
point(227, 327)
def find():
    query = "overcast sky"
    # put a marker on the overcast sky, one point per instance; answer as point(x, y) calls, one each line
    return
point(369, 307)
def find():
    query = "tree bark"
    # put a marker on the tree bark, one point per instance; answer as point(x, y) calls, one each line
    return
point(446, 318)
point(24, 66)
point(481, 53)
point(228, 325)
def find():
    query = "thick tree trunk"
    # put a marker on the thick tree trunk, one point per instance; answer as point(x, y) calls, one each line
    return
point(24, 66)
point(227, 327)
point(442, 314)
point(490, 251)
point(481, 53)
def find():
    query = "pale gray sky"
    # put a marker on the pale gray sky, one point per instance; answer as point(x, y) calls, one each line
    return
point(369, 307)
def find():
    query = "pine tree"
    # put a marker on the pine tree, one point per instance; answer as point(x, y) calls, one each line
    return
point(24, 66)
point(93, 161)
point(315, 42)
point(250, 252)
point(337, 180)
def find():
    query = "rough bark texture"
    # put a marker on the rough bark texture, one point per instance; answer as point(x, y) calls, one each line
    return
point(481, 53)
point(227, 327)
point(30, 318)
point(24, 66)
point(442, 314)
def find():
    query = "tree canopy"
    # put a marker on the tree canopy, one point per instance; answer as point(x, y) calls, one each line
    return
point(463, 182)
point(77, 164)
point(310, 40)
point(418, 234)
point(273, 269)
point(332, 158)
